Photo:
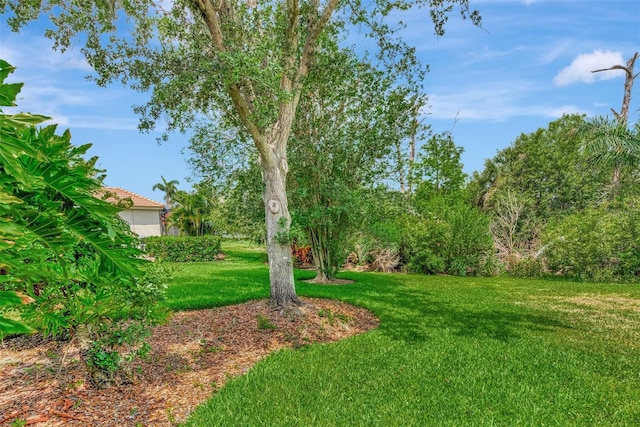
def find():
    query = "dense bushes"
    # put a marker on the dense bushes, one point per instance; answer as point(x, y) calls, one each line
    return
point(555, 205)
point(184, 248)
point(449, 237)
point(601, 243)
point(431, 233)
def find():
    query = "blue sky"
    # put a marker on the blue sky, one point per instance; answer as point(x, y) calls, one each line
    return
point(530, 63)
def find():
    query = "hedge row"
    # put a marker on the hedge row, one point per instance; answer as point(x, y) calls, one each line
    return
point(183, 248)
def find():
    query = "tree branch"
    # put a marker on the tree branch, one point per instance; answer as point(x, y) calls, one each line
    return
point(293, 84)
point(212, 15)
point(314, 29)
point(622, 117)
point(615, 67)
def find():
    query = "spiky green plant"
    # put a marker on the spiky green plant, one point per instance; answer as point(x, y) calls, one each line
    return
point(610, 143)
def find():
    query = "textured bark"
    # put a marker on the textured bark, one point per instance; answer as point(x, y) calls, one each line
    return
point(278, 220)
point(628, 86)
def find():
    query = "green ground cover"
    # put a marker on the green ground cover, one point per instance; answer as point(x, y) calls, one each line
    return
point(449, 351)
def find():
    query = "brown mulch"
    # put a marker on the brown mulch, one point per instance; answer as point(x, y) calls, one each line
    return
point(44, 383)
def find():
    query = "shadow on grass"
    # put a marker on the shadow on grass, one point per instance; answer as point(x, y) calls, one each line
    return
point(207, 285)
point(410, 307)
point(418, 320)
point(415, 310)
point(244, 252)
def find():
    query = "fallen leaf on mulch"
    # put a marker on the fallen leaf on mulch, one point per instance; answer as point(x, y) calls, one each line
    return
point(44, 383)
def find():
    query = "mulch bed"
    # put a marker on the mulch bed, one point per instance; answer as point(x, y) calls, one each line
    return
point(43, 382)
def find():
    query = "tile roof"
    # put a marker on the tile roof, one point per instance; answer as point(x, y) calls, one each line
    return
point(138, 200)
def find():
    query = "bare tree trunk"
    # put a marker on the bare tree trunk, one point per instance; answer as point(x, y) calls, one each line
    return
point(615, 178)
point(400, 156)
point(628, 86)
point(283, 292)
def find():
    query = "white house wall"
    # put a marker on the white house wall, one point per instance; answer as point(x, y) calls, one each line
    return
point(143, 222)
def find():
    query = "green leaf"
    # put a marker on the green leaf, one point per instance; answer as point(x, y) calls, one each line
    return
point(116, 260)
point(8, 326)
point(8, 93)
point(7, 199)
point(13, 298)
point(5, 69)
point(12, 327)
point(21, 119)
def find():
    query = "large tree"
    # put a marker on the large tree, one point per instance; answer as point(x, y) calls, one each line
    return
point(244, 63)
point(438, 168)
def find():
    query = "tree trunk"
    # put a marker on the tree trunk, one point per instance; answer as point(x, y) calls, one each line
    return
point(623, 117)
point(283, 291)
point(628, 87)
point(412, 153)
point(615, 177)
point(322, 257)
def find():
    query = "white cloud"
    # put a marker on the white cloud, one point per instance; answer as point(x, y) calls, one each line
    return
point(27, 53)
point(103, 123)
point(497, 101)
point(551, 53)
point(556, 112)
point(60, 95)
point(486, 101)
point(580, 70)
point(68, 106)
point(486, 53)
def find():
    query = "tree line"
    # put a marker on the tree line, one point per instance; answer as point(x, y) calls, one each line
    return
point(545, 205)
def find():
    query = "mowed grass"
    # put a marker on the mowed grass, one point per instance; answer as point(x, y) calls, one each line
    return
point(243, 275)
point(449, 351)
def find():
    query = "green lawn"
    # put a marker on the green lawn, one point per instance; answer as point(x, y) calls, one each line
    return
point(449, 351)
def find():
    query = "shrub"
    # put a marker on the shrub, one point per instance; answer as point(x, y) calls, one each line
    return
point(449, 237)
point(426, 262)
point(528, 266)
point(470, 246)
point(183, 248)
point(110, 355)
point(601, 243)
point(385, 260)
point(63, 249)
point(116, 343)
point(302, 255)
point(421, 247)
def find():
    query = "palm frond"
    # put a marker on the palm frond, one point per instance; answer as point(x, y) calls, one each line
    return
point(608, 142)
